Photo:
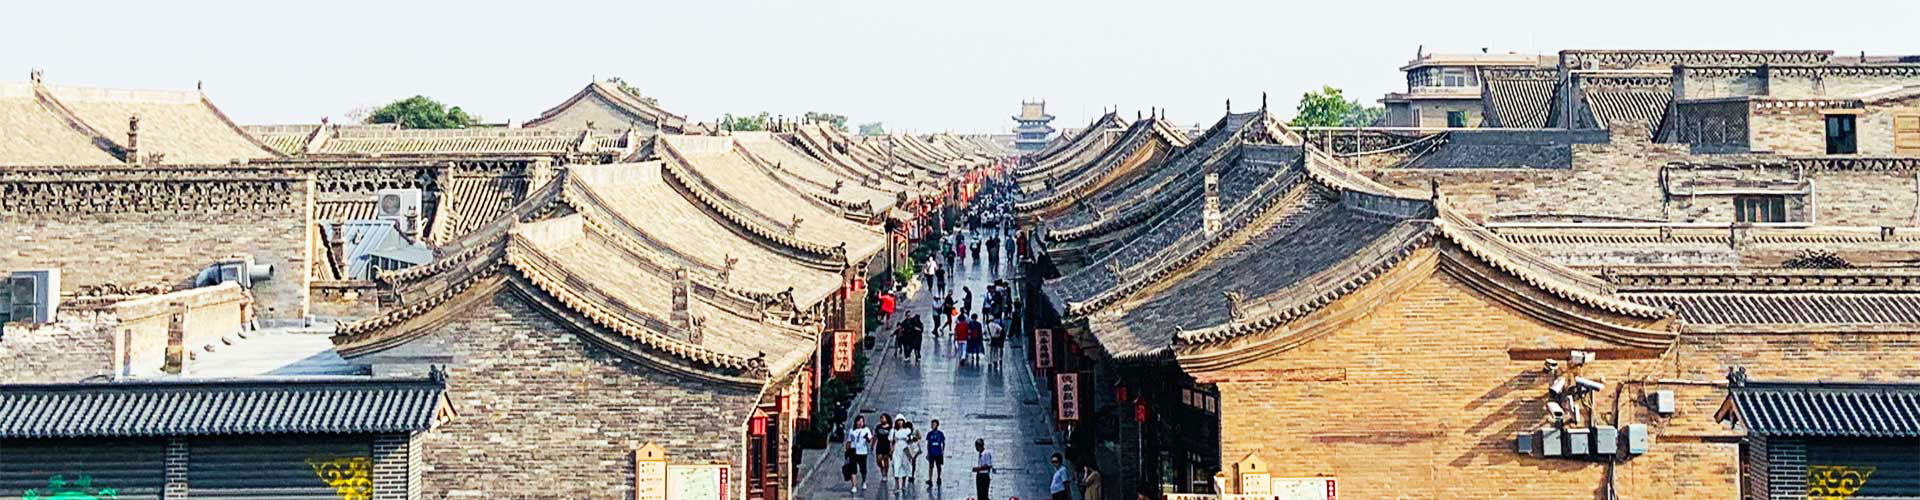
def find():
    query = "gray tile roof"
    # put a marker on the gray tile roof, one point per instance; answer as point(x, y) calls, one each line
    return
point(1825, 409)
point(1520, 102)
point(219, 407)
point(1507, 148)
point(1788, 308)
point(1140, 192)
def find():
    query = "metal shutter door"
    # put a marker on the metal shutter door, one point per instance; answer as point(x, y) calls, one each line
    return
point(133, 469)
point(281, 467)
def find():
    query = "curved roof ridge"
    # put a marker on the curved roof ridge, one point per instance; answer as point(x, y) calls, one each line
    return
point(1150, 199)
point(677, 174)
point(591, 206)
point(1088, 140)
point(1135, 138)
point(475, 242)
point(628, 104)
point(1098, 123)
point(1535, 270)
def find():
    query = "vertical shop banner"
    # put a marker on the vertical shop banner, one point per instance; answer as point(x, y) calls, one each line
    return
point(1066, 397)
point(1043, 348)
point(843, 342)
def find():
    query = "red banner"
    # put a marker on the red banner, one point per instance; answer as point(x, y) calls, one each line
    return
point(1066, 397)
point(843, 343)
point(1043, 348)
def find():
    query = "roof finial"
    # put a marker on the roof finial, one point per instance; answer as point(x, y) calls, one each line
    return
point(1434, 184)
point(200, 85)
point(1229, 106)
point(35, 75)
point(1263, 101)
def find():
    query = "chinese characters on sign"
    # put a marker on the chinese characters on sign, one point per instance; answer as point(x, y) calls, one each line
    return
point(1043, 348)
point(803, 408)
point(650, 473)
point(1306, 488)
point(843, 341)
point(1066, 395)
point(697, 482)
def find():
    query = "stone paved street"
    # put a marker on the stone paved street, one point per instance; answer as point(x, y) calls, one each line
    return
point(971, 402)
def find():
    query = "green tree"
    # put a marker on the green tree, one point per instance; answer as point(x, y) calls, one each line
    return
point(874, 128)
point(421, 112)
point(632, 91)
point(1329, 108)
point(746, 123)
point(838, 121)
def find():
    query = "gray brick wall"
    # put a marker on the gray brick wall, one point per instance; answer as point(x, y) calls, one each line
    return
point(544, 413)
point(177, 457)
point(391, 461)
point(1787, 469)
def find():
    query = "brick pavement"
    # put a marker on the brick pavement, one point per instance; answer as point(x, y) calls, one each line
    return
point(972, 402)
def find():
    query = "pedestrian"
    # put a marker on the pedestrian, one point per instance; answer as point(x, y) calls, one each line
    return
point(966, 302)
point(1061, 480)
point(982, 470)
point(976, 340)
point(997, 340)
point(859, 444)
point(928, 271)
point(886, 307)
point(903, 456)
point(883, 447)
point(916, 335)
point(993, 250)
point(960, 336)
point(936, 453)
point(939, 317)
point(1089, 483)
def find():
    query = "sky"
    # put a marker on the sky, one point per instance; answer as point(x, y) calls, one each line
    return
point(961, 66)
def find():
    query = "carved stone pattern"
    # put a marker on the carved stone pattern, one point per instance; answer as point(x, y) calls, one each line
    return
point(1614, 59)
point(171, 196)
point(372, 179)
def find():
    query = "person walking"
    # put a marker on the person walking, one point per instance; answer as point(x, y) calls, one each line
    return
point(982, 470)
point(1061, 480)
point(859, 444)
point(936, 453)
point(1089, 483)
point(883, 447)
point(976, 340)
point(966, 301)
point(997, 341)
point(960, 336)
point(904, 458)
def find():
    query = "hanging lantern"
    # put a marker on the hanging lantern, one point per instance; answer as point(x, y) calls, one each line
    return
point(1140, 412)
point(1120, 392)
point(758, 423)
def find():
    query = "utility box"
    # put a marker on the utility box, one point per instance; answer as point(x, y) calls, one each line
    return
point(1606, 440)
point(1579, 442)
point(1553, 443)
point(1523, 443)
point(1637, 439)
point(1661, 402)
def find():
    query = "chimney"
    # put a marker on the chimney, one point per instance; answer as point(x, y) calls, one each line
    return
point(682, 315)
point(1212, 217)
point(337, 247)
point(133, 140)
point(176, 340)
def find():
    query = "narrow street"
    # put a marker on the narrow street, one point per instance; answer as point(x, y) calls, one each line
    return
point(1000, 406)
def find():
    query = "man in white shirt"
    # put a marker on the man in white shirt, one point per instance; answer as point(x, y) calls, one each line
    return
point(981, 477)
point(859, 444)
point(1060, 480)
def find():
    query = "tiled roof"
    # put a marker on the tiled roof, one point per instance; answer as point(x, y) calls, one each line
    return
point(812, 174)
point(1127, 204)
point(1520, 99)
point(743, 186)
point(1788, 308)
point(641, 111)
point(182, 125)
point(1615, 100)
point(1812, 409)
point(344, 210)
point(474, 201)
point(459, 141)
point(219, 407)
point(33, 134)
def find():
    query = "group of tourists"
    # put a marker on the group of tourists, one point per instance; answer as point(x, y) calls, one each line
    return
point(897, 449)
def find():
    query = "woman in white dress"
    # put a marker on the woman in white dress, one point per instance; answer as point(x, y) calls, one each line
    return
point(906, 454)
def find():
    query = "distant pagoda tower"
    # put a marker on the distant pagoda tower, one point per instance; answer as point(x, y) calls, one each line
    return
point(1032, 132)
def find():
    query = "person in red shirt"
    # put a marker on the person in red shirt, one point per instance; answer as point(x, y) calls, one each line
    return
point(886, 306)
point(960, 340)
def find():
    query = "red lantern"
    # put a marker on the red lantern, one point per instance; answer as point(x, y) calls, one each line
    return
point(1140, 412)
point(1119, 393)
point(758, 423)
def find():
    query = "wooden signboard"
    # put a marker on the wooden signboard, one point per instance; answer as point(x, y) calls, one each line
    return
point(843, 344)
point(697, 482)
point(803, 402)
point(650, 472)
point(1306, 488)
point(1043, 348)
point(1066, 397)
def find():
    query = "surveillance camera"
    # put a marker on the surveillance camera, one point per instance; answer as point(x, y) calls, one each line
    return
point(1553, 366)
point(1588, 384)
point(1582, 357)
point(1554, 410)
point(1558, 386)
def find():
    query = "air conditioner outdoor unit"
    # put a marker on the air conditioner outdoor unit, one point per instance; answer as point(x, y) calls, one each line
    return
point(400, 205)
point(34, 295)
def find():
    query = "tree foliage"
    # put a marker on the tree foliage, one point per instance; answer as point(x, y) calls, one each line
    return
point(1329, 108)
point(746, 123)
point(632, 91)
point(838, 121)
point(874, 128)
point(421, 112)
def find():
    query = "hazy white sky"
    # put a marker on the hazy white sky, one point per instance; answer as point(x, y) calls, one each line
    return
point(921, 66)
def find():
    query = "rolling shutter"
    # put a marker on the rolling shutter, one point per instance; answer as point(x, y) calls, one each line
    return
point(1877, 469)
point(1906, 134)
point(290, 468)
point(81, 468)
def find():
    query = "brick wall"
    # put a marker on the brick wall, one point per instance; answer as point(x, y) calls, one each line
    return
point(76, 346)
point(163, 232)
point(345, 299)
point(1854, 198)
point(391, 459)
point(545, 414)
point(1420, 398)
point(1614, 180)
point(1433, 113)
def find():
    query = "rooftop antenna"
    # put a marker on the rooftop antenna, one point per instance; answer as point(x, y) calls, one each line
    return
point(1229, 106)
